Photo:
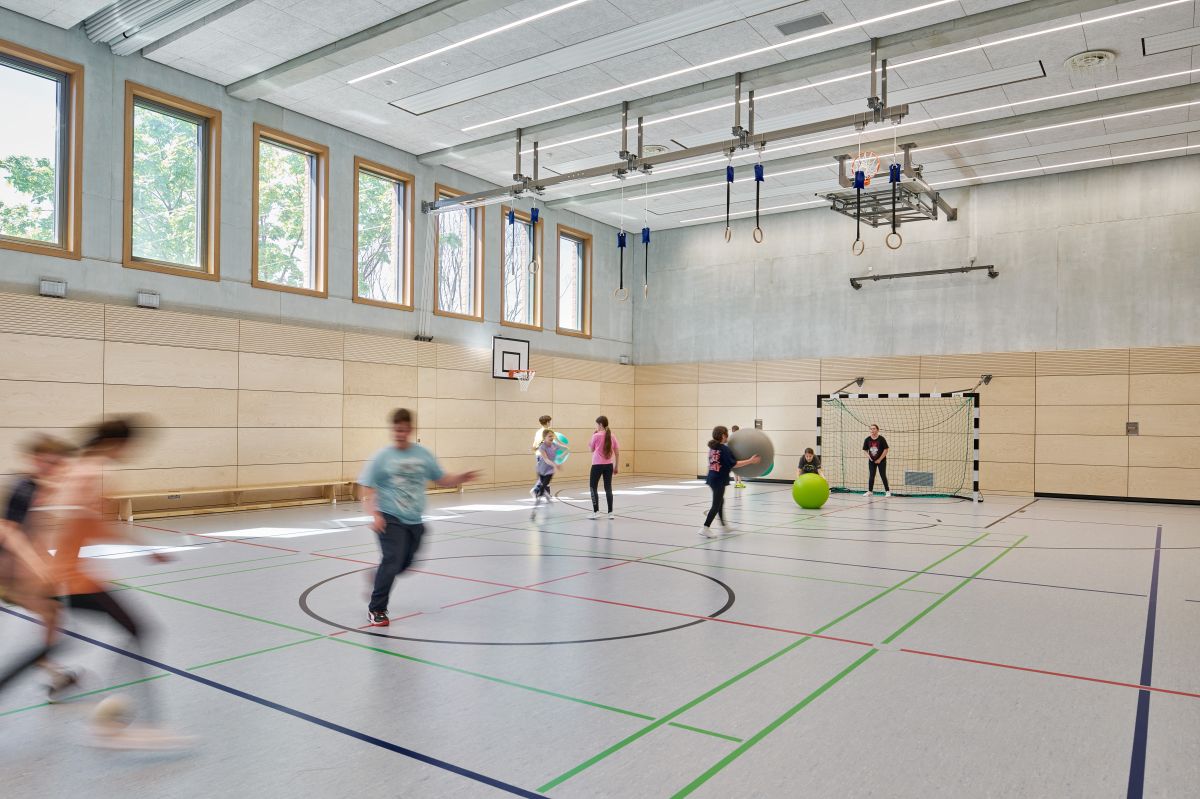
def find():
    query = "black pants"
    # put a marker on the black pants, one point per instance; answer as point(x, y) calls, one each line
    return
point(398, 544)
point(543, 485)
point(874, 467)
point(718, 504)
point(599, 470)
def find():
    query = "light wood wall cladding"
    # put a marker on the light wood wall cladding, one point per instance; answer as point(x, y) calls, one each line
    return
point(1052, 422)
point(241, 402)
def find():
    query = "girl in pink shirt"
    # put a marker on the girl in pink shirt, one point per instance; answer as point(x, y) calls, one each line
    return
point(604, 464)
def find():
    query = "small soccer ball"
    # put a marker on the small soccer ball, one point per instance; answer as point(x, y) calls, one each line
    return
point(810, 491)
point(113, 711)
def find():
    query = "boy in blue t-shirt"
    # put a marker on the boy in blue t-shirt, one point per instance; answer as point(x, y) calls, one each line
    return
point(395, 482)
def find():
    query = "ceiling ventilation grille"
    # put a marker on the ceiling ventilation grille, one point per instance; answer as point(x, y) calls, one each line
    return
point(803, 24)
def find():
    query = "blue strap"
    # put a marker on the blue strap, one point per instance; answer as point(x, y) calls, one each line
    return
point(860, 179)
point(645, 235)
point(621, 239)
point(758, 173)
point(512, 216)
point(894, 173)
point(533, 216)
point(729, 174)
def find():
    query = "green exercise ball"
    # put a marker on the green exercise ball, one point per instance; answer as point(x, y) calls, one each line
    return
point(810, 491)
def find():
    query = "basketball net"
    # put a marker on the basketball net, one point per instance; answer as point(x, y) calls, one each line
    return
point(523, 376)
point(866, 162)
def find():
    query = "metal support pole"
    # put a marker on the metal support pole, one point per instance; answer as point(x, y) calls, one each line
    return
point(737, 104)
point(624, 130)
point(750, 111)
point(641, 138)
point(873, 97)
point(535, 165)
point(883, 84)
point(517, 176)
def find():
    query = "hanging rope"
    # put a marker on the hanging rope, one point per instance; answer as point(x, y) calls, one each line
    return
point(894, 179)
point(534, 263)
point(621, 293)
point(728, 197)
point(646, 240)
point(860, 179)
point(758, 181)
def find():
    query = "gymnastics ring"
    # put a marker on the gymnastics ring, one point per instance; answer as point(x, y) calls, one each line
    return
point(728, 234)
point(621, 294)
point(888, 240)
point(858, 247)
point(534, 266)
point(758, 235)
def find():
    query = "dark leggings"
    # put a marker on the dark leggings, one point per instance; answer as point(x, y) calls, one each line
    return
point(543, 485)
point(718, 504)
point(105, 603)
point(599, 470)
point(877, 467)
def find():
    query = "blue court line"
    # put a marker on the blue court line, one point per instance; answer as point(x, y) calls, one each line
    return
point(329, 725)
point(1141, 726)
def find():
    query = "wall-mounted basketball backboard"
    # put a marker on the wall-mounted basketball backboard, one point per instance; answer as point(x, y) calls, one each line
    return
point(509, 355)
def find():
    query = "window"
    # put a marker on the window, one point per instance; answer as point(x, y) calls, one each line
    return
point(40, 152)
point(383, 235)
point(458, 260)
point(289, 222)
point(520, 270)
point(574, 282)
point(172, 184)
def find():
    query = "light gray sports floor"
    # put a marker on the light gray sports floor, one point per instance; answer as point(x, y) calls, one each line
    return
point(883, 648)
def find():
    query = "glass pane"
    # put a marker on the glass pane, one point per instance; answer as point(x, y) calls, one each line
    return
point(456, 262)
point(380, 238)
point(286, 216)
point(168, 176)
point(520, 282)
point(29, 156)
point(571, 283)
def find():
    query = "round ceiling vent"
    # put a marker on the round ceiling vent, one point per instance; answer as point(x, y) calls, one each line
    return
point(1092, 59)
point(655, 149)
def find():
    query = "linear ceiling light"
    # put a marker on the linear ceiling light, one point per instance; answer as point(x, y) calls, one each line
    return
point(757, 51)
point(514, 24)
point(743, 213)
point(1070, 163)
point(866, 73)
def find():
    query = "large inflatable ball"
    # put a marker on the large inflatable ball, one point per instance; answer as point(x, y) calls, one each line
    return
point(748, 443)
point(563, 452)
point(810, 491)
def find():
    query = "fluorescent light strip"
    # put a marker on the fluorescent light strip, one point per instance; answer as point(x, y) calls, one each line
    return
point(515, 24)
point(865, 73)
point(1071, 163)
point(686, 70)
point(744, 213)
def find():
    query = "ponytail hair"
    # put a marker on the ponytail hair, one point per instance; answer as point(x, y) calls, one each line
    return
point(719, 432)
point(607, 451)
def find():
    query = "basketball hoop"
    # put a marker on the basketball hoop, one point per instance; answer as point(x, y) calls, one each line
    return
point(524, 376)
point(866, 162)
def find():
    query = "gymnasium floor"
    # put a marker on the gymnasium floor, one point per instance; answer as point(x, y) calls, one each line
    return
point(902, 647)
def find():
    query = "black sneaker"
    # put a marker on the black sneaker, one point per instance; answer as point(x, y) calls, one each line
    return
point(378, 618)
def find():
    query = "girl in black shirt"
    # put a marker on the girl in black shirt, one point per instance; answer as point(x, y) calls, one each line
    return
point(876, 447)
point(809, 463)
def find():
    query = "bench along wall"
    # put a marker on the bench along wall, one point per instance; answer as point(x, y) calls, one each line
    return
point(240, 402)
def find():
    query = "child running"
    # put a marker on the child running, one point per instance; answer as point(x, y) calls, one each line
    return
point(809, 463)
point(544, 420)
point(394, 481)
point(546, 466)
point(605, 452)
point(720, 463)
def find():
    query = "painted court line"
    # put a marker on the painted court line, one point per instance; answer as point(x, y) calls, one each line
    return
point(1141, 726)
point(311, 719)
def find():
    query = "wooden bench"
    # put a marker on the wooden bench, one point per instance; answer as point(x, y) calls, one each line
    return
point(125, 501)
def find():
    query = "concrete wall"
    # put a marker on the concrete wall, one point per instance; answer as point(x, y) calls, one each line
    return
point(101, 276)
point(1089, 259)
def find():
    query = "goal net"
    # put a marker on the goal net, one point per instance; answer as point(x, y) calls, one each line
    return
point(933, 441)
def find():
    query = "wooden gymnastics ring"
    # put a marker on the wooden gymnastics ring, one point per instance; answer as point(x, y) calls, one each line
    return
point(728, 233)
point(622, 294)
point(858, 247)
point(899, 240)
point(758, 235)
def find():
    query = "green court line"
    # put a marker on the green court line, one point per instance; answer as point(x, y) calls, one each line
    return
point(84, 694)
point(812, 697)
point(222, 574)
point(255, 652)
point(315, 636)
point(705, 732)
point(209, 566)
point(619, 745)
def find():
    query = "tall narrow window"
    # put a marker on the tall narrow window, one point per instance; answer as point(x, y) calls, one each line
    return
point(574, 282)
point(458, 261)
point(172, 184)
point(40, 152)
point(289, 220)
point(383, 241)
point(520, 270)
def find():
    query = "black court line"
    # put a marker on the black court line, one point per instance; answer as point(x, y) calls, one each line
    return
point(329, 725)
point(1005, 516)
point(1141, 726)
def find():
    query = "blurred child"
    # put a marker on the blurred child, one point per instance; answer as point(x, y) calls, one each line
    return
point(546, 466)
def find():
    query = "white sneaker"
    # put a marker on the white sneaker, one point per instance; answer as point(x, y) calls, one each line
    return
point(707, 532)
point(612, 516)
point(136, 737)
point(887, 493)
point(594, 516)
point(867, 494)
point(728, 528)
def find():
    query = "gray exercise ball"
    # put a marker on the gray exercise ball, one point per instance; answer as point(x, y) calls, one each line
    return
point(748, 443)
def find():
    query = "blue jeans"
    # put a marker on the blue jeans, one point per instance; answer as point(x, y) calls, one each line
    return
point(398, 544)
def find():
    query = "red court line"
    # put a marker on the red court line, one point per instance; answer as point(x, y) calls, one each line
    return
point(511, 590)
point(718, 620)
point(214, 538)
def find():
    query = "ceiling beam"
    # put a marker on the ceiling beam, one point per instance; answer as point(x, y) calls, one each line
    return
point(930, 37)
point(929, 139)
point(396, 32)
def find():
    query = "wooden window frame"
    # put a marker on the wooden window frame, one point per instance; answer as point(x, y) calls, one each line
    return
point(441, 192)
point(409, 183)
point(586, 238)
point(321, 246)
point(210, 268)
point(71, 215)
point(539, 232)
